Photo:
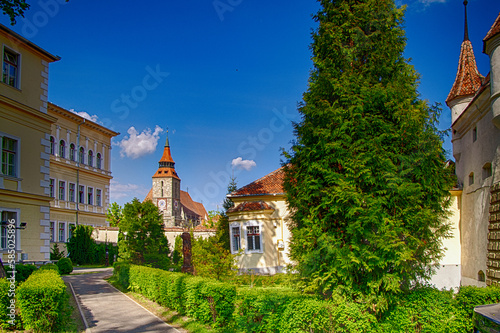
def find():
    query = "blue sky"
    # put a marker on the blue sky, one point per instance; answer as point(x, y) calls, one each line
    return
point(224, 76)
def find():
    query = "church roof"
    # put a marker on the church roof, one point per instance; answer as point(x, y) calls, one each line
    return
point(269, 184)
point(166, 164)
point(249, 206)
point(196, 207)
point(468, 79)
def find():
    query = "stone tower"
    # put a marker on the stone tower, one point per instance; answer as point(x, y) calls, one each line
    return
point(167, 188)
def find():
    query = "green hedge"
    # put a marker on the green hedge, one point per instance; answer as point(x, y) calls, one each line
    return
point(22, 271)
point(206, 300)
point(5, 303)
point(43, 301)
point(278, 309)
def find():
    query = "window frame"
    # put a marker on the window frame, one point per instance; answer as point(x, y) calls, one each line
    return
point(52, 231)
point(72, 198)
point(72, 152)
point(90, 158)
point(52, 184)
point(254, 224)
point(6, 167)
point(235, 242)
point(98, 161)
point(52, 141)
point(17, 77)
point(81, 191)
point(63, 234)
point(81, 155)
point(62, 148)
point(98, 197)
point(90, 195)
point(61, 195)
point(4, 229)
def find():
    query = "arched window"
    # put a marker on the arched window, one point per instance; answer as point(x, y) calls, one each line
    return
point(62, 149)
point(99, 161)
point(471, 178)
point(52, 145)
point(72, 152)
point(81, 157)
point(481, 277)
point(90, 162)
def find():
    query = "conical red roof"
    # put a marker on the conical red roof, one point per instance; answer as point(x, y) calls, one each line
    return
point(166, 164)
point(468, 79)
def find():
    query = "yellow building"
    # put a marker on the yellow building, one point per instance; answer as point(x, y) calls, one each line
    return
point(25, 127)
point(80, 173)
point(258, 225)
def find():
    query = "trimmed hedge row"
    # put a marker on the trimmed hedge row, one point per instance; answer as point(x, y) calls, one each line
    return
point(283, 310)
point(43, 301)
point(208, 301)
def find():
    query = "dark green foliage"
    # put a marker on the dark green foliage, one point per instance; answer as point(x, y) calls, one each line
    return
point(177, 256)
point(206, 300)
point(121, 270)
point(65, 266)
point(81, 245)
point(56, 253)
point(366, 180)
point(470, 297)
point(22, 271)
point(423, 310)
point(211, 259)
point(143, 240)
point(222, 225)
point(14, 8)
point(43, 302)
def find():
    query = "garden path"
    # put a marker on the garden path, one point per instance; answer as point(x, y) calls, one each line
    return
point(106, 309)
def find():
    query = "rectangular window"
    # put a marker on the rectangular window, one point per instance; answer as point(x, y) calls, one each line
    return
point(52, 231)
point(81, 194)
point(51, 188)
point(6, 216)
point(471, 178)
point(9, 156)
point(62, 232)
point(253, 238)
point(90, 196)
point(98, 198)
point(62, 190)
point(235, 239)
point(71, 197)
point(10, 68)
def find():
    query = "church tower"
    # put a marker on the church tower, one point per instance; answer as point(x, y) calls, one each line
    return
point(166, 189)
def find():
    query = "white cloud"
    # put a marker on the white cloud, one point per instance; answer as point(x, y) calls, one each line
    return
point(430, 2)
point(86, 115)
point(243, 164)
point(120, 191)
point(137, 145)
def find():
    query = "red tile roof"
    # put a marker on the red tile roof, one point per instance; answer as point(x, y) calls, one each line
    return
point(468, 79)
point(269, 184)
point(249, 206)
point(495, 29)
point(195, 207)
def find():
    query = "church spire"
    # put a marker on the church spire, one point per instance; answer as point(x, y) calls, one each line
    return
point(166, 165)
point(468, 79)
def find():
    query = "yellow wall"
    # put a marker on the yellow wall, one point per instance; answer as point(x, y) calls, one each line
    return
point(273, 228)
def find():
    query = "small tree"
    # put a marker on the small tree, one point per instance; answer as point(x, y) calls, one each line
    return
point(81, 245)
point(212, 260)
point(143, 239)
point(56, 253)
point(114, 214)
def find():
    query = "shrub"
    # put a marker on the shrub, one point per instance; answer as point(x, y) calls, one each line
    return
point(43, 302)
point(22, 271)
point(50, 267)
point(468, 298)
point(56, 253)
point(5, 303)
point(122, 274)
point(65, 266)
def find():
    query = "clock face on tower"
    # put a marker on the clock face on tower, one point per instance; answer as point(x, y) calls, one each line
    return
point(162, 204)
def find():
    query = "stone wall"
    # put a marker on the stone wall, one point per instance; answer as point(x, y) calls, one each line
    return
point(493, 271)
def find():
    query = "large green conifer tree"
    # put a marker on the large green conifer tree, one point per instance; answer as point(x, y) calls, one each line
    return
point(366, 178)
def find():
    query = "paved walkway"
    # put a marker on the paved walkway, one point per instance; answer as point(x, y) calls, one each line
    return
point(106, 309)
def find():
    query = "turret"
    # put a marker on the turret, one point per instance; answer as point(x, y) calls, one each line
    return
point(490, 47)
point(468, 79)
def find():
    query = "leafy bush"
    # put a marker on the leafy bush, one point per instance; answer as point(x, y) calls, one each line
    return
point(5, 303)
point(470, 297)
point(50, 267)
point(22, 271)
point(43, 302)
point(65, 266)
point(56, 253)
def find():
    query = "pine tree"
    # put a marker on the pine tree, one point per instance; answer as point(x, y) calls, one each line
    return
point(222, 233)
point(365, 179)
